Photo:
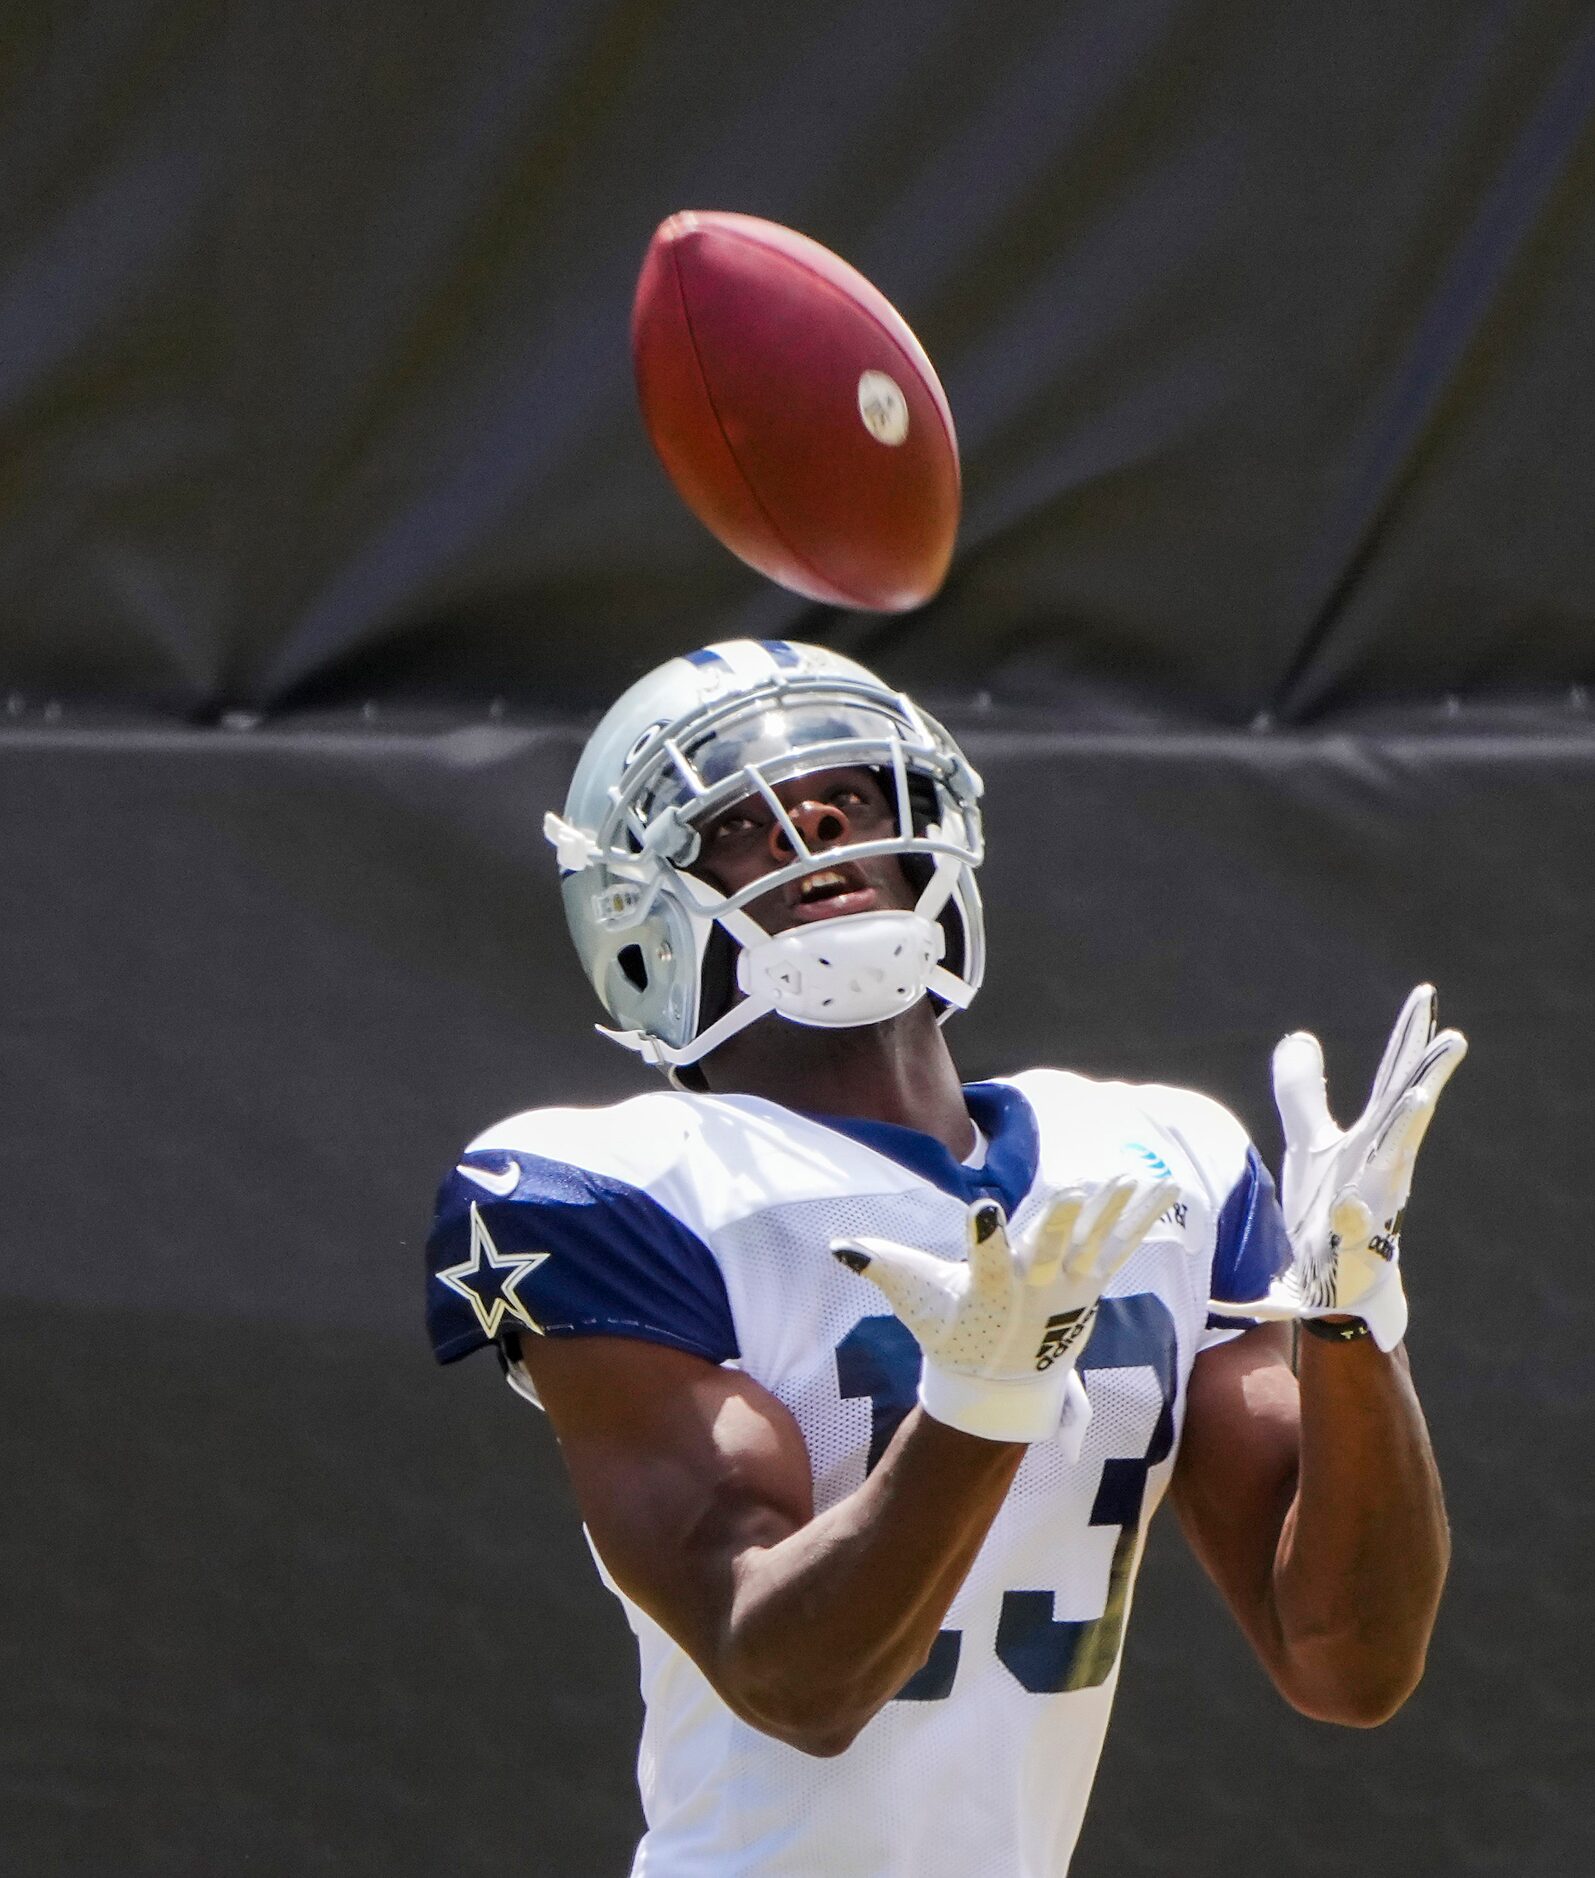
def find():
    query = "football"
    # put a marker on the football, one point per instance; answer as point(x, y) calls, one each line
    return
point(795, 412)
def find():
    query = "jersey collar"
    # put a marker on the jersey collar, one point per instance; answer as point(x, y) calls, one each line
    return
point(1014, 1149)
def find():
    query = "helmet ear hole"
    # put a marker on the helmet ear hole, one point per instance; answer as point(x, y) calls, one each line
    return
point(631, 962)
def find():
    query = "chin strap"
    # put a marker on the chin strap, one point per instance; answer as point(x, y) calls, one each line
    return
point(827, 974)
point(836, 974)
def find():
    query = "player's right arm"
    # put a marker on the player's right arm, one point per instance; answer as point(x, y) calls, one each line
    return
point(695, 1485)
point(695, 1481)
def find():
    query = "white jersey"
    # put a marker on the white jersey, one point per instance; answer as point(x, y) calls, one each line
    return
point(704, 1222)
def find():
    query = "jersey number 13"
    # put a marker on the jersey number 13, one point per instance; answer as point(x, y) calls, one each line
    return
point(879, 1359)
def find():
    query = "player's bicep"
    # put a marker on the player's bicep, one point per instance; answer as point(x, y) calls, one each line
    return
point(1236, 1475)
point(679, 1466)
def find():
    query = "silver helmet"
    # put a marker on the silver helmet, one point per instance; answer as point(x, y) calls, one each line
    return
point(702, 732)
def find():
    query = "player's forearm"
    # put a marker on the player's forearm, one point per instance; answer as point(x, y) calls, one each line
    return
point(1363, 1555)
point(825, 1626)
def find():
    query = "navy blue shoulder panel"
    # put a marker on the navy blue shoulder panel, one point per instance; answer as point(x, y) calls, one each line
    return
point(522, 1243)
point(1251, 1245)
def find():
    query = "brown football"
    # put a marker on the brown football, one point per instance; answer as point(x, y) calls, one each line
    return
point(797, 415)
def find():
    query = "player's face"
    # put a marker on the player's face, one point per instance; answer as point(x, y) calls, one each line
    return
point(830, 808)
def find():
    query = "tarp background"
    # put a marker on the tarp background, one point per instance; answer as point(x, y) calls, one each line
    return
point(1265, 328)
point(283, 1598)
point(325, 525)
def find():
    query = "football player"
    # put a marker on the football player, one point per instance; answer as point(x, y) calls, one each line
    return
point(869, 1381)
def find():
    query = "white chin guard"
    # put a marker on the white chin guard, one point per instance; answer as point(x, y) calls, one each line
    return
point(832, 974)
point(839, 973)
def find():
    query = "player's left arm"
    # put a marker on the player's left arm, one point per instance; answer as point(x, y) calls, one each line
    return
point(1313, 1498)
point(1314, 1504)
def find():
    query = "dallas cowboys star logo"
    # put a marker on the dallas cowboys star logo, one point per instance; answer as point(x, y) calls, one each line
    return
point(490, 1280)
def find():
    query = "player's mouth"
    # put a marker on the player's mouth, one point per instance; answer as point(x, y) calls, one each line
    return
point(829, 893)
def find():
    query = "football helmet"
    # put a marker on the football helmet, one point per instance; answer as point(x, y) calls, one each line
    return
point(664, 948)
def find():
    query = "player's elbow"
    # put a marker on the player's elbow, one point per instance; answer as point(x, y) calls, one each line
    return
point(815, 1721)
point(809, 1706)
point(1350, 1708)
point(1360, 1695)
point(823, 1744)
point(823, 1736)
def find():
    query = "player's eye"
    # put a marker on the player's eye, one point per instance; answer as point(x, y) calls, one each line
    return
point(854, 800)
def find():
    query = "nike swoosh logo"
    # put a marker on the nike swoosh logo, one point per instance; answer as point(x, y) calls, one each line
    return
point(503, 1184)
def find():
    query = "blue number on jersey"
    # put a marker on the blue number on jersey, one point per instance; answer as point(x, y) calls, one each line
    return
point(879, 1359)
point(1044, 1654)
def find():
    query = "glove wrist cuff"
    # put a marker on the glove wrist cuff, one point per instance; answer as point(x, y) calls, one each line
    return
point(1336, 1330)
point(1008, 1408)
point(1382, 1311)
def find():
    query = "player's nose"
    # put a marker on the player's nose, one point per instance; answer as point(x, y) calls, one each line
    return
point(819, 823)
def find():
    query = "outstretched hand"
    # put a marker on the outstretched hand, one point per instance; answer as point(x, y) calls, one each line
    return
point(1344, 1192)
point(1003, 1331)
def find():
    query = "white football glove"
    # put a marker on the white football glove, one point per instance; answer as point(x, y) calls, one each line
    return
point(1002, 1332)
point(1343, 1195)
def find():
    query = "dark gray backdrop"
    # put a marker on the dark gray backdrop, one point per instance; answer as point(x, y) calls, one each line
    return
point(325, 525)
point(1265, 327)
point(282, 1598)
